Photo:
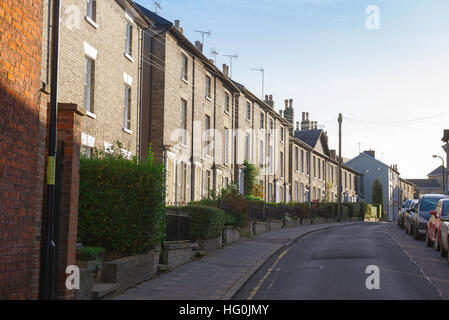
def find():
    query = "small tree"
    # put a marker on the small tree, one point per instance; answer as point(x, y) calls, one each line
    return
point(250, 173)
point(377, 193)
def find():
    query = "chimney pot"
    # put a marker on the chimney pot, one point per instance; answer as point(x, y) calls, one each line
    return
point(286, 103)
point(297, 125)
point(303, 116)
point(271, 97)
point(280, 112)
point(307, 116)
point(177, 23)
point(291, 103)
point(266, 97)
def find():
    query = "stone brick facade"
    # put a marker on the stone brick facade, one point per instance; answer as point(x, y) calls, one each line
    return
point(21, 163)
point(103, 42)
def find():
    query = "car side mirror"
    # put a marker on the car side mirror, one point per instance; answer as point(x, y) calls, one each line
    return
point(433, 213)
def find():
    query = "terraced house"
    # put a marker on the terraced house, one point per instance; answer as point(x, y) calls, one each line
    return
point(313, 169)
point(99, 59)
point(189, 108)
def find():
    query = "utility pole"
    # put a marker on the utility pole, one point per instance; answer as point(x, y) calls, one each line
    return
point(340, 188)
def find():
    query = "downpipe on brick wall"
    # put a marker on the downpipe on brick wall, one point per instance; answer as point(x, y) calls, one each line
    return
point(48, 272)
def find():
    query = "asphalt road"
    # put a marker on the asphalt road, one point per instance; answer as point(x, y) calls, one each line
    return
point(331, 264)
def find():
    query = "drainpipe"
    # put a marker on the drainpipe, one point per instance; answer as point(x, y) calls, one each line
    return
point(49, 267)
point(193, 169)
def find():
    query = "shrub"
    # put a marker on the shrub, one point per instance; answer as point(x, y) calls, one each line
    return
point(89, 253)
point(121, 203)
point(238, 205)
point(206, 222)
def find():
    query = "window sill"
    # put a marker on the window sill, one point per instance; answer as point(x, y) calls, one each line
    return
point(227, 112)
point(91, 22)
point(91, 115)
point(184, 80)
point(127, 131)
point(129, 57)
point(208, 98)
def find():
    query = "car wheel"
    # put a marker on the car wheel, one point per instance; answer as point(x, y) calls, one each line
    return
point(436, 244)
point(428, 242)
point(443, 251)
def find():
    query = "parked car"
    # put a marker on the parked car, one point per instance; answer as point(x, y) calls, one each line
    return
point(433, 234)
point(402, 212)
point(418, 222)
point(409, 212)
point(444, 236)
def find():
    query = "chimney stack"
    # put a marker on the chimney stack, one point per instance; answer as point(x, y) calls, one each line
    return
point(306, 124)
point(371, 153)
point(199, 46)
point(269, 100)
point(226, 69)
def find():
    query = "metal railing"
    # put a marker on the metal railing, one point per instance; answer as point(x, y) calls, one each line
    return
point(178, 225)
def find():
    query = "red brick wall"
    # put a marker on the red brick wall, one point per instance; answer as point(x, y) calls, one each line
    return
point(21, 170)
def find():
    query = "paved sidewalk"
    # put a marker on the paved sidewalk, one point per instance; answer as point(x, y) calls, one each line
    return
point(220, 274)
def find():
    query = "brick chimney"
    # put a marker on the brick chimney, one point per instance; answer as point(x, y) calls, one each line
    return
point(306, 123)
point(199, 46)
point(333, 154)
point(289, 113)
point(269, 100)
point(226, 70)
point(371, 153)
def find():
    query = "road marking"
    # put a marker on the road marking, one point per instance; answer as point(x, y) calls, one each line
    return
point(412, 260)
point(261, 281)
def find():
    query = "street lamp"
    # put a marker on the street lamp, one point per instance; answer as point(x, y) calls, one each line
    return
point(442, 160)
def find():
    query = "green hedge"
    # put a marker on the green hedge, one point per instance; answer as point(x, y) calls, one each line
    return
point(206, 222)
point(121, 203)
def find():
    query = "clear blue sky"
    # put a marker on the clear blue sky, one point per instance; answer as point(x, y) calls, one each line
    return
point(320, 53)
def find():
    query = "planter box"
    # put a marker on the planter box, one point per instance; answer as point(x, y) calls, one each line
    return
point(211, 244)
point(130, 271)
point(176, 254)
point(230, 235)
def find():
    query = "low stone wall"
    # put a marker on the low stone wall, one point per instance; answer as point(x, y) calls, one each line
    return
point(275, 225)
point(211, 244)
point(130, 271)
point(176, 254)
point(86, 284)
point(259, 227)
point(230, 235)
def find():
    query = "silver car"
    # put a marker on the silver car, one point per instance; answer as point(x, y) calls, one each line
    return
point(409, 212)
point(444, 235)
point(418, 222)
